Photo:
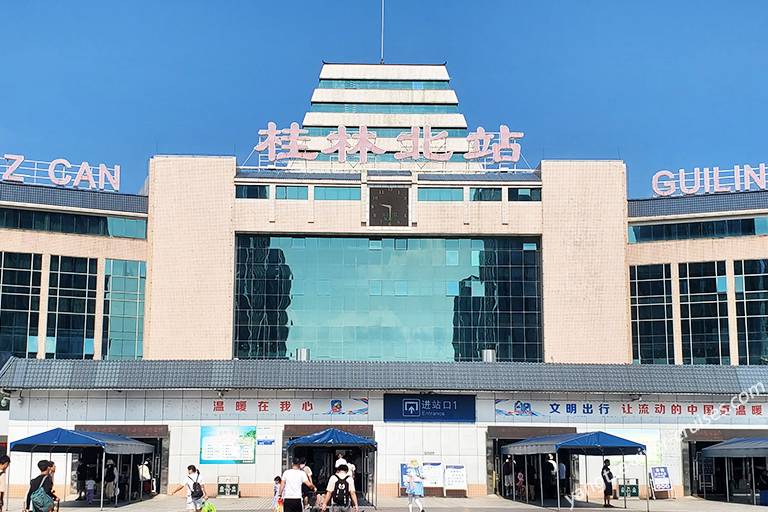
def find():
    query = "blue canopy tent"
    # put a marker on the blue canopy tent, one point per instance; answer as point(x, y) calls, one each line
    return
point(335, 438)
point(332, 437)
point(739, 448)
point(585, 443)
point(60, 440)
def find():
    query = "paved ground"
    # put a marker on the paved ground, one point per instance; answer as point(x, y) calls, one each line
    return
point(485, 504)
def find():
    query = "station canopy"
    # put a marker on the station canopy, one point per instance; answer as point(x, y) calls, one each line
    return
point(738, 447)
point(586, 443)
point(332, 437)
point(60, 440)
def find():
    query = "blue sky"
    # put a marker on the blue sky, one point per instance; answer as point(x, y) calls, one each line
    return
point(659, 84)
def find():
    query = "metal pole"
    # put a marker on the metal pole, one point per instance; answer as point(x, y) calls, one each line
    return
point(525, 474)
point(557, 479)
point(514, 480)
point(727, 482)
point(130, 479)
point(117, 478)
point(648, 487)
point(103, 468)
point(624, 477)
point(382, 31)
point(586, 476)
point(541, 482)
point(754, 497)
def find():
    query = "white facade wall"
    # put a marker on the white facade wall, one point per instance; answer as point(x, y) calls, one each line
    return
point(184, 412)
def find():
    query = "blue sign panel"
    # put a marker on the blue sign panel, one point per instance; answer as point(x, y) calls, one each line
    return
point(430, 408)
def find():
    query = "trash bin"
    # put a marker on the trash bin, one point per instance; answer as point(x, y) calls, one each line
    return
point(764, 498)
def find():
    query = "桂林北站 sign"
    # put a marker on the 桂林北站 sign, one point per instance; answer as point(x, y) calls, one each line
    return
point(415, 144)
point(60, 172)
point(706, 180)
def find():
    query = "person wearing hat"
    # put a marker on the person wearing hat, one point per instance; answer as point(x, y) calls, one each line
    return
point(414, 486)
point(110, 480)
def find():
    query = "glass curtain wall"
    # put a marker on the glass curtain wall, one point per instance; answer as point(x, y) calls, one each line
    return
point(704, 313)
point(20, 275)
point(651, 303)
point(406, 299)
point(751, 283)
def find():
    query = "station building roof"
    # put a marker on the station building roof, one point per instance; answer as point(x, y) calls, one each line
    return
point(515, 176)
point(51, 374)
point(72, 198)
point(691, 205)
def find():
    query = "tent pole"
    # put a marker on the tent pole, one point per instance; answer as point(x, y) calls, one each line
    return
point(624, 478)
point(130, 479)
point(752, 464)
point(557, 478)
point(648, 487)
point(586, 476)
point(525, 480)
point(541, 481)
point(103, 468)
point(117, 478)
point(727, 482)
point(514, 479)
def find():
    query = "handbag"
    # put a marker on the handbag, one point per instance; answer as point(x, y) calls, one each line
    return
point(40, 500)
point(144, 473)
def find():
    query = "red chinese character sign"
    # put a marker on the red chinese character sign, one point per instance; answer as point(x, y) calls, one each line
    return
point(419, 143)
point(259, 407)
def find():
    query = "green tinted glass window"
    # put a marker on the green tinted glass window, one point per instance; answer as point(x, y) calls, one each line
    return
point(388, 298)
point(441, 194)
point(337, 193)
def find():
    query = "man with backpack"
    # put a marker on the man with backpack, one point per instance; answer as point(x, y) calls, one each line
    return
point(195, 486)
point(340, 492)
point(40, 497)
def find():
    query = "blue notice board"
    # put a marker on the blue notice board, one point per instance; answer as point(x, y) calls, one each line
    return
point(429, 407)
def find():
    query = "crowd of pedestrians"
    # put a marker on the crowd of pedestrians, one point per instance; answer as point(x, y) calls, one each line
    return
point(296, 491)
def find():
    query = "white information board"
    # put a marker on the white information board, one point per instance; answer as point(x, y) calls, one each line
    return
point(455, 478)
point(433, 474)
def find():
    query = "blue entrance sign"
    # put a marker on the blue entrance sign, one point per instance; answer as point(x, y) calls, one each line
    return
point(430, 408)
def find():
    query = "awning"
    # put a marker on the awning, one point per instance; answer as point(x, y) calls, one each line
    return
point(585, 443)
point(738, 447)
point(332, 437)
point(60, 440)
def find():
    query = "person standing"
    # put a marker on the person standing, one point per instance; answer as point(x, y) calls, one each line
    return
point(306, 493)
point(508, 475)
point(110, 480)
point(415, 486)
point(291, 485)
point(195, 487)
point(608, 482)
point(561, 474)
point(340, 492)
point(42, 481)
point(5, 462)
point(90, 489)
point(276, 504)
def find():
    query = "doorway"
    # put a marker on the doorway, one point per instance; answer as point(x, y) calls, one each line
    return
point(156, 435)
point(499, 436)
point(321, 456)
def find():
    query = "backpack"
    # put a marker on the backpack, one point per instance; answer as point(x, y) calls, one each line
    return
point(109, 476)
point(197, 489)
point(40, 500)
point(340, 493)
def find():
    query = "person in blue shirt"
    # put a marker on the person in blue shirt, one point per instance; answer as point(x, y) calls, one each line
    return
point(415, 486)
